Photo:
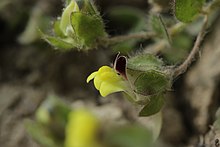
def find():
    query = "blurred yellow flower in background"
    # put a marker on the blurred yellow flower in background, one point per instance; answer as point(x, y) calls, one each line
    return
point(107, 81)
point(82, 129)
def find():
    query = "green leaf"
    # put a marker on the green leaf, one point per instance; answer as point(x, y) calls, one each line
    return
point(158, 25)
point(139, 64)
point(87, 7)
point(129, 136)
point(154, 106)
point(144, 62)
point(186, 10)
point(58, 42)
point(87, 29)
point(154, 124)
point(151, 82)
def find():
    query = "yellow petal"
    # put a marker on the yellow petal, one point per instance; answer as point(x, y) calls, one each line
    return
point(91, 76)
point(107, 88)
point(110, 76)
point(105, 69)
point(97, 82)
point(107, 81)
point(81, 129)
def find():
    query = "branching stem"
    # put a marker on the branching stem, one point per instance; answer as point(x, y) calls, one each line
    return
point(122, 38)
point(196, 47)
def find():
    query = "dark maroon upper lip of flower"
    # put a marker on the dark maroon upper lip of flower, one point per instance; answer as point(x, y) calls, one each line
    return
point(120, 65)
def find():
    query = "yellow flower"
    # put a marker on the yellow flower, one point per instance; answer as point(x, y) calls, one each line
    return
point(107, 81)
point(82, 129)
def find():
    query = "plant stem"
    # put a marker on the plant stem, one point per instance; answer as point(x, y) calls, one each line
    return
point(160, 45)
point(122, 38)
point(140, 35)
point(155, 48)
point(196, 48)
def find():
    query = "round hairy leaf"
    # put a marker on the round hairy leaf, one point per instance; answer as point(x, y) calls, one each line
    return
point(87, 29)
point(186, 10)
point(144, 62)
point(154, 106)
point(151, 82)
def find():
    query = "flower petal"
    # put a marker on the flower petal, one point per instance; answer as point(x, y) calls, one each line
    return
point(107, 88)
point(97, 82)
point(110, 77)
point(81, 129)
point(107, 81)
point(105, 69)
point(91, 76)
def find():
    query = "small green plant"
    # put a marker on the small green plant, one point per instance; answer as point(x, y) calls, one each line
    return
point(79, 27)
point(144, 78)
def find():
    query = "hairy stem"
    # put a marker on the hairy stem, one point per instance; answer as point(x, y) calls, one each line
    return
point(160, 45)
point(183, 67)
point(140, 35)
point(122, 38)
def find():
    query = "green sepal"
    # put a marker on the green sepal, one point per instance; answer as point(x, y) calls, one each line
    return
point(87, 29)
point(87, 7)
point(59, 42)
point(57, 31)
point(65, 20)
point(151, 82)
point(154, 106)
point(132, 75)
point(186, 10)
